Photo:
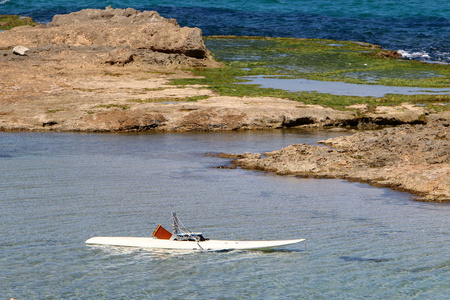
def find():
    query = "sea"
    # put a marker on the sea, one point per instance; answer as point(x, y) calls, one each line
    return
point(59, 189)
point(419, 29)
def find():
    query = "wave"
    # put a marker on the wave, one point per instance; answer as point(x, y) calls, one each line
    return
point(434, 56)
point(414, 55)
point(4, 1)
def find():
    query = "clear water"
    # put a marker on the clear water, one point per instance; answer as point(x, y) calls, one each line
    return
point(420, 28)
point(59, 189)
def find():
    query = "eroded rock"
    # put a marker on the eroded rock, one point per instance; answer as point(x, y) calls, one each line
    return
point(120, 56)
point(410, 158)
point(112, 28)
point(124, 121)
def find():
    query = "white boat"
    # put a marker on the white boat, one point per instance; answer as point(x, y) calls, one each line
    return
point(163, 239)
point(215, 245)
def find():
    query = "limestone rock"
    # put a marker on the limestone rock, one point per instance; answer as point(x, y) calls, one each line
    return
point(119, 17)
point(212, 118)
point(113, 28)
point(20, 50)
point(125, 121)
point(410, 158)
point(120, 56)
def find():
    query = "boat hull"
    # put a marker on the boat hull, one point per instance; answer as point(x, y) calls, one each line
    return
point(214, 245)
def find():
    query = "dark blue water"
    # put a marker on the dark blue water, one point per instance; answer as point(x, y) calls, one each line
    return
point(420, 28)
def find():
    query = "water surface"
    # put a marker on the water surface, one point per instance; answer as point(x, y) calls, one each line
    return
point(59, 189)
point(339, 88)
point(419, 28)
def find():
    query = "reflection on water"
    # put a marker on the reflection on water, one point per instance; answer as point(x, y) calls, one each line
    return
point(59, 189)
point(339, 88)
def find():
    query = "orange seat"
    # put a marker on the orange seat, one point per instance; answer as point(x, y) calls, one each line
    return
point(161, 233)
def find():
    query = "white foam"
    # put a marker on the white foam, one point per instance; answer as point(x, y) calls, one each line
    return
point(412, 55)
point(4, 1)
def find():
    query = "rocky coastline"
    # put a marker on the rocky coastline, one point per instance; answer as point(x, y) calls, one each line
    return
point(111, 70)
point(409, 158)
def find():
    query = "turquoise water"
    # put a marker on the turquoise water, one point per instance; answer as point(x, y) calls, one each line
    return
point(59, 189)
point(419, 28)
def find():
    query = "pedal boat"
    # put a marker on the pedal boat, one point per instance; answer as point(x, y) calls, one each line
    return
point(163, 239)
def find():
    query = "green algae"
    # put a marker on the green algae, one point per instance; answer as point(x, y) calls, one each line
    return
point(329, 60)
point(314, 59)
point(122, 107)
point(52, 111)
point(10, 21)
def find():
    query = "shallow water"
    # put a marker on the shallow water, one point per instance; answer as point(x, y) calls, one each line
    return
point(339, 88)
point(59, 189)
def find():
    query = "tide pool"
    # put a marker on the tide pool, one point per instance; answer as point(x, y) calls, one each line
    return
point(339, 88)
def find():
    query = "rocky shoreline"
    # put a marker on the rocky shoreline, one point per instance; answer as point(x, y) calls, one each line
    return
point(111, 70)
point(415, 159)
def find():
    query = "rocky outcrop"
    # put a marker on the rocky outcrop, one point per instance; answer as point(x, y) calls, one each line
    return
point(123, 121)
point(110, 70)
point(388, 115)
point(409, 158)
point(237, 113)
point(142, 34)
